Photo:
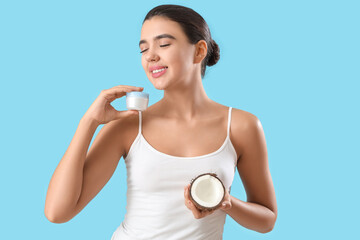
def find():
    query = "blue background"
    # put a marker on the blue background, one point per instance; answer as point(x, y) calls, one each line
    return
point(293, 64)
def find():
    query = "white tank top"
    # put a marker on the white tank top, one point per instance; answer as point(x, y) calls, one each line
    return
point(155, 192)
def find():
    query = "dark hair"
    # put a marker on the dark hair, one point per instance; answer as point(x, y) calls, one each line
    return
point(194, 27)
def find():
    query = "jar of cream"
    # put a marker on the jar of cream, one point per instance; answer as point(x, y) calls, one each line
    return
point(137, 100)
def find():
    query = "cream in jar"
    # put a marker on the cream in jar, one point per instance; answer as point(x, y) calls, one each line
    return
point(137, 100)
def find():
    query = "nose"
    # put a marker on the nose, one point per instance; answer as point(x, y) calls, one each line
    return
point(152, 56)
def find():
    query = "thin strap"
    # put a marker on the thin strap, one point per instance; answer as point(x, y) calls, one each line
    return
point(229, 120)
point(140, 122)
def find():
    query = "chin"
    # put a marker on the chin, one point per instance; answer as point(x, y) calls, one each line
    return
point(158, 84)
point(159, 87)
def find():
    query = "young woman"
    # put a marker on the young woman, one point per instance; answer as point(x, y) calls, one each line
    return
point(164, 147)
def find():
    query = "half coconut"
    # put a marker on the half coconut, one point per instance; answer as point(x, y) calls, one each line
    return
point(207, 191)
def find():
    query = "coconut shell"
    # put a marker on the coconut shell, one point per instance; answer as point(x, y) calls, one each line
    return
point(200, 207)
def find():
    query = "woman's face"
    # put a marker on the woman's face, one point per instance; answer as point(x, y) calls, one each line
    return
point(164, 46)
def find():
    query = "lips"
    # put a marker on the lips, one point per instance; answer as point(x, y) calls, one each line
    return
point(159, 73)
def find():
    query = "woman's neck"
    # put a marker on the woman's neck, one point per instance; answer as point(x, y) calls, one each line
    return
point(186, 102)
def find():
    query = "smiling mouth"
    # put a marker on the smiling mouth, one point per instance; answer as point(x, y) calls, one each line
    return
point(159, 70)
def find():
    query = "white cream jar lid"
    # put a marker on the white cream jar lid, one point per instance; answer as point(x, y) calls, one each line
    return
point(137, 94)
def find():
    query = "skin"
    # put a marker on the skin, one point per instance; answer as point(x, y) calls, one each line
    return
point(185, 100)
point(175, 125)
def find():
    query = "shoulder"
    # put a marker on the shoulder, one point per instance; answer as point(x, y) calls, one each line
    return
point(243, 120)
point(244, 125)
point(122, 125)
point(122, 131)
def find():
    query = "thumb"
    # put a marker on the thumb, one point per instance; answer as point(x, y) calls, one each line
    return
point(226, 205)
point(121, 114)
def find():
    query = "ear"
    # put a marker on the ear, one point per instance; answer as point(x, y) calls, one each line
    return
point(200, 51)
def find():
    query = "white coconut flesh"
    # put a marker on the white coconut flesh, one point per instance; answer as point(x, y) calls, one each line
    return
point(207, 191)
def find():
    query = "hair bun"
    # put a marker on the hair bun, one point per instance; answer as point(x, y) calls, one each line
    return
point(214, 54)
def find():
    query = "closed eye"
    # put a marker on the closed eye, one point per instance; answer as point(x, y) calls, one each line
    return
point(165, 45)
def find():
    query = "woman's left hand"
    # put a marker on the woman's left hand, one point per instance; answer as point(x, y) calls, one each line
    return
point(200, 213)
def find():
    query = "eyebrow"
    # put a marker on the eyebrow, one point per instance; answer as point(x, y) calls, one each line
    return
point(158, 37)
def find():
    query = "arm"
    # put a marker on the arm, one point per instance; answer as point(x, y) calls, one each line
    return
point(259, 213)
point(81, 175)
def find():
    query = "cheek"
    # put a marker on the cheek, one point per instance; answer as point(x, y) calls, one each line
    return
point(180, 60)
point(144, 64)
point(143, 61)
point(186, 62)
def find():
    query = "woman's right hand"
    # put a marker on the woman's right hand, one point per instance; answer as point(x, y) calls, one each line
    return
point(101, 110)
